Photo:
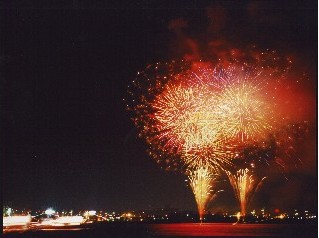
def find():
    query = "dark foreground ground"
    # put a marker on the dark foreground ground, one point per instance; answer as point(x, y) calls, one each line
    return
point(174, 230)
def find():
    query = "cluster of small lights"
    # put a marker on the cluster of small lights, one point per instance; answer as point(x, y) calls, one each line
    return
point(20, 221)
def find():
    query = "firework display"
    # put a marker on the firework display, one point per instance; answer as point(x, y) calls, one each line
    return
point(201, 110)
point(198, 117)
point(201, 181)
point(244, 184)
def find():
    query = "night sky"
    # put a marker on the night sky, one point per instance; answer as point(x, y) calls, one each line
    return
point(67, 139)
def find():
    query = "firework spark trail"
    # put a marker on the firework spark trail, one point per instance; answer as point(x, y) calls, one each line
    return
point(216, 157)
point(245, 185)
point(282, 148)
point(182, 116)
point(243, 109)
point(201, 182)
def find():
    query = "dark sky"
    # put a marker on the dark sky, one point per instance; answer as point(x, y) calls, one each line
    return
point(67, 140)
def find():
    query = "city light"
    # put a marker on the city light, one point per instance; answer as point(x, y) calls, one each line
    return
point(68, 220)
point(16, 220)
point(49, 211)
point(9, 211)
point(92, 213)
